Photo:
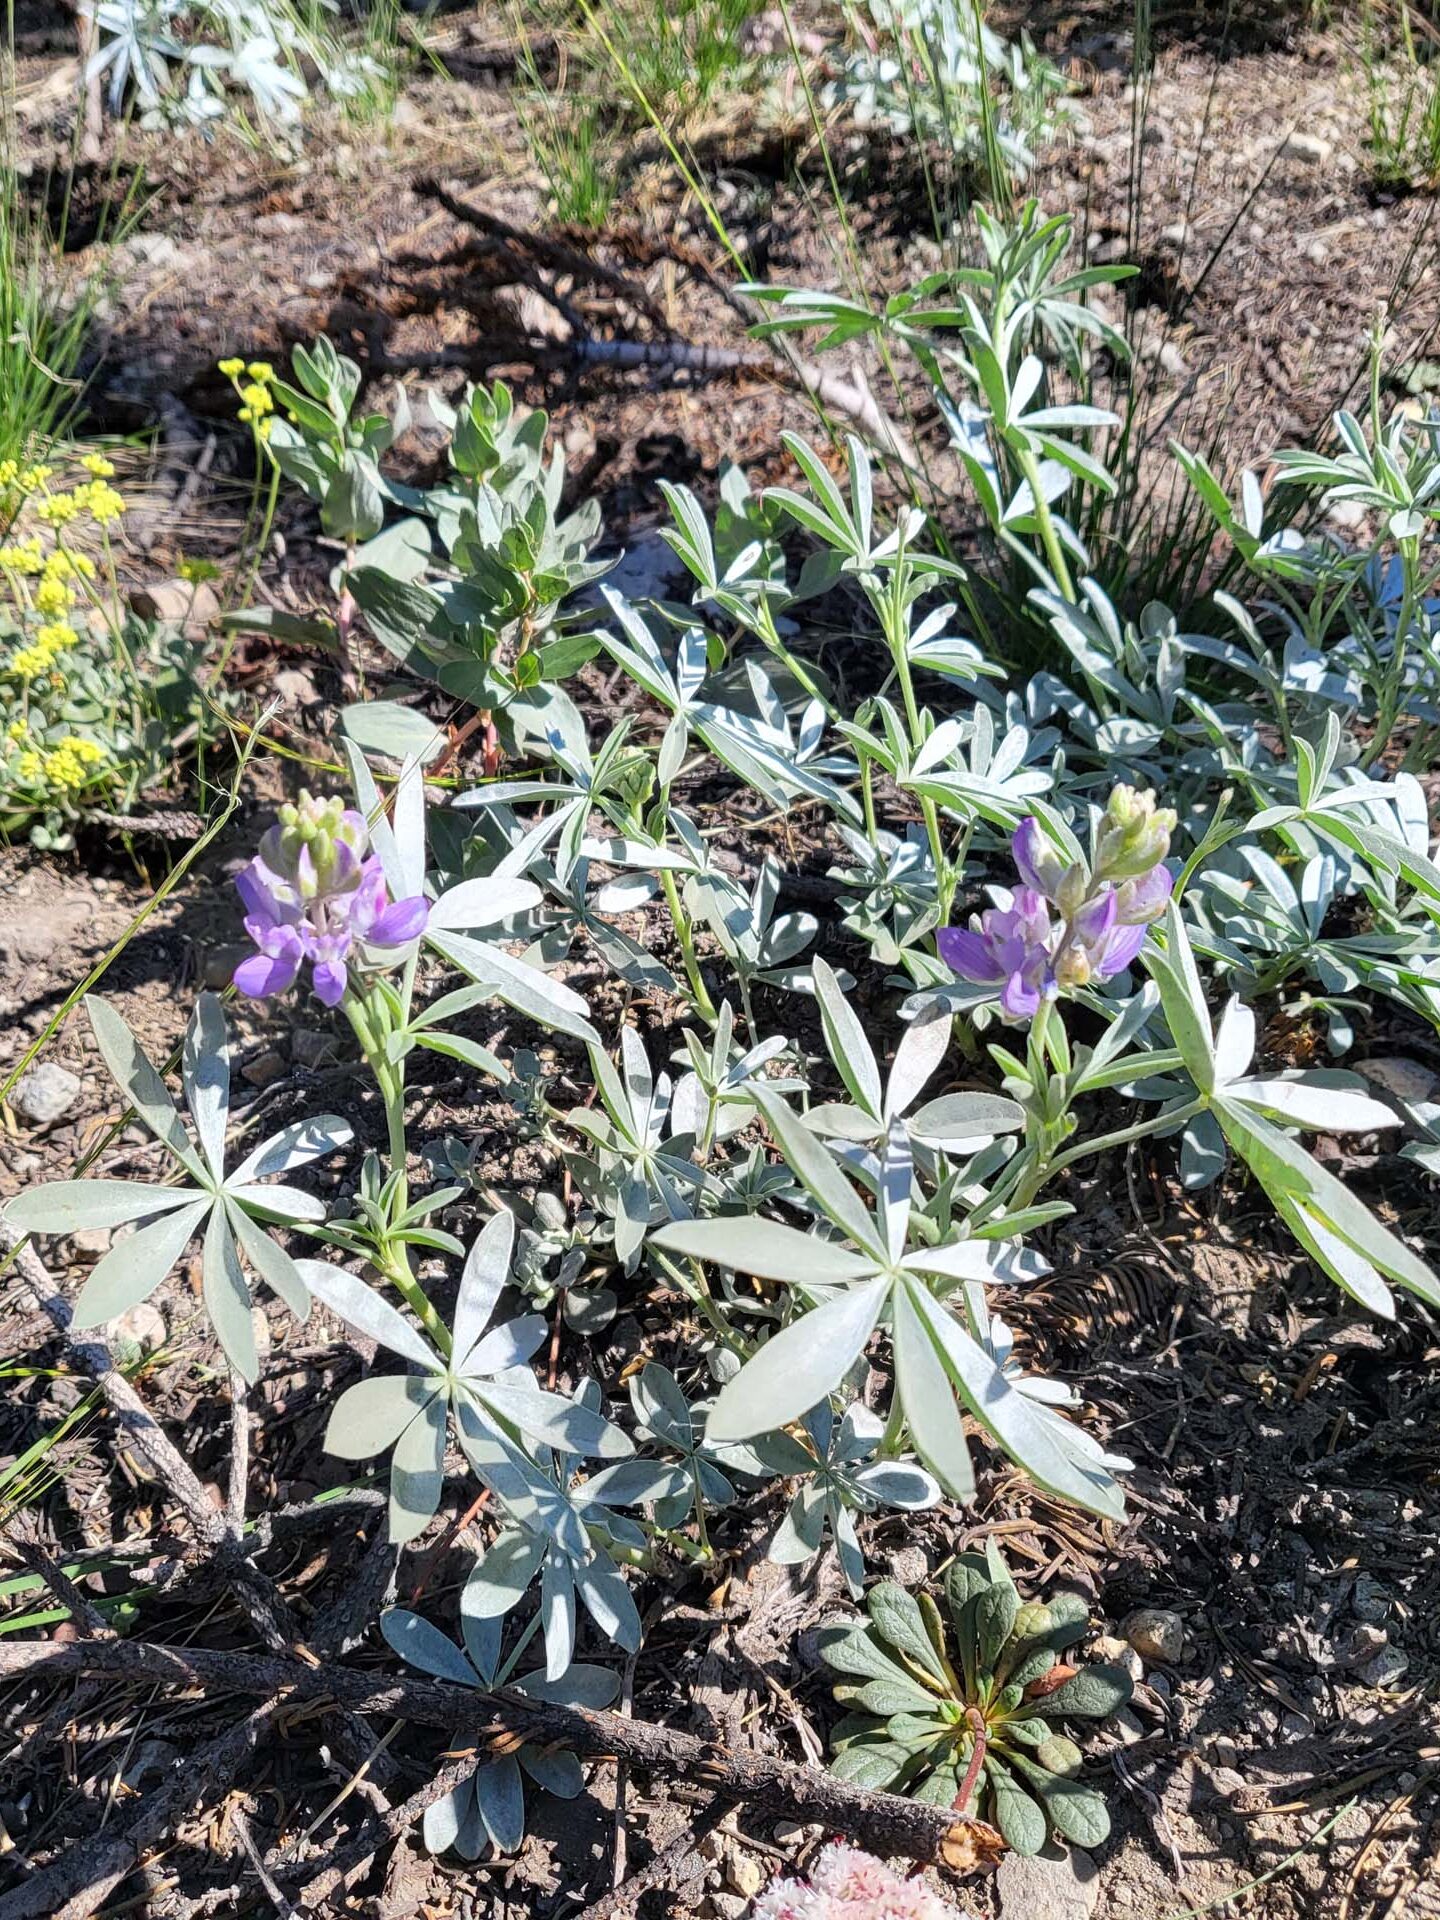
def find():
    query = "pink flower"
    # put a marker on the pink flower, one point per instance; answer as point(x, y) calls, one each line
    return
point(846, 1884)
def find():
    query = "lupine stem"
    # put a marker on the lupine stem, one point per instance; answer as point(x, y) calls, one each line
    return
point(685, 934)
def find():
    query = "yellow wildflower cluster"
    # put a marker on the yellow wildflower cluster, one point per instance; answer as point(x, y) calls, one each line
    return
point(252, 383)
point(24, 556)
point(51, 640)
point(71, 763)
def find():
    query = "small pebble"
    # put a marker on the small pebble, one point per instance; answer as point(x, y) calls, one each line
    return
point(1156, 1634)
point(45, 1094)
point(908, 1566)
point(1113, 1652)
point(312, 1048)
point(265, 1069)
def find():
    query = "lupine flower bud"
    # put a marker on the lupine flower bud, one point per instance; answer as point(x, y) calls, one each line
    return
point(1135, 836)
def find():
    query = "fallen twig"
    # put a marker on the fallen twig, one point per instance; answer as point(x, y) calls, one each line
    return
point(882, 1822)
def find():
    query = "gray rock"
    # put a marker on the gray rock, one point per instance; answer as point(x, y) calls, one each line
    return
point(264, 1069)
point(1385, 1669)
point(45, 1094)
point(1048, 1886)
point(312, 1048)
point(1157, 1634)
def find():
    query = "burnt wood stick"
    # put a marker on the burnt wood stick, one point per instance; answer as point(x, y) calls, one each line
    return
point(881, 1822)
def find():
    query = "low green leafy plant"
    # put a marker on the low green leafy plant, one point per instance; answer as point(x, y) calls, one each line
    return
point(971, 1720)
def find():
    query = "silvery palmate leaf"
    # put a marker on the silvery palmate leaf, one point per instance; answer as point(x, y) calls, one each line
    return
point(234, 1210)
point(852, 1283)
point(1334, 1226)
point(959, 1123)
point(482, 1380)
point(666, 1418)
point(839, 1478)
point(465, 923)
point(563, 1531)
point(488, 1806)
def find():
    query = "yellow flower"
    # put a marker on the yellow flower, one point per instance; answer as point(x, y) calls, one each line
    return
point(16, 730)
point(29, 478)
point(97, 464)
point(25, 558)
point(57, 509)
point(57, 635)
point(263, 428)
point(53, 597)
point(27, 663)
point(232, 369)
point(9, 472)
point(258, 399)
point(64, 565)
point(28, 766)
point(104, 502)
point(262, 371)
point(70, 764)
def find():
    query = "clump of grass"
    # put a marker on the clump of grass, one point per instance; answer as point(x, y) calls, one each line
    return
point(45, 314)
point(1403, 140)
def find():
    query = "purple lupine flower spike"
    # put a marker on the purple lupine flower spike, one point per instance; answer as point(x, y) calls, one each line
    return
point(314, 892)
point(1101, 916)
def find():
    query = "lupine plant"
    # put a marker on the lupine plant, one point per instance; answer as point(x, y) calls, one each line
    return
point(1094, 866)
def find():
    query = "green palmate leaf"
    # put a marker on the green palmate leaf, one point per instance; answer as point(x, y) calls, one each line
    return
point(928, 1401)
point(205, 1068)
point(797, 1368)
point(1032, 1440)
point(417, 1472)
point(425, 1647)
point(820, 1176)
point(136, 1265)
point(845, 1037)
point(270, 1260)
point(1183, 998)
point(520, 986)
point(139, 1082)
point(370, 1417)
point(749, 1244)
point(1321, 1209)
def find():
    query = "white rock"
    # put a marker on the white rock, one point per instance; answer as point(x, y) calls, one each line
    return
point(45, 1094)
point(136, 1332)
point(1308, 147)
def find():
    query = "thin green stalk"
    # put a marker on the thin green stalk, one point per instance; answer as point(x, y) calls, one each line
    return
point(684, 933)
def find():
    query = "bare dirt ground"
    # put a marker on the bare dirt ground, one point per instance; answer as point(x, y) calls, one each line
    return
point(1285, 1492)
